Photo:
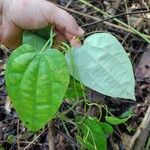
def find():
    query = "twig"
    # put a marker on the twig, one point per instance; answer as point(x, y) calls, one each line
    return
point(4, 49)
point(145, 5)
point(137, 24)
point(69, 3)
point(67, 132)
point(140, 137)
point(115, 19)
point(39, 144)
point(122, 14)
point(148, 144)
point(51, 138)
point(35, 139)
point(98, 19)
point(78, 13)
point(18, 143)
point(115, 7)
point(68, 138)
point(126, 7)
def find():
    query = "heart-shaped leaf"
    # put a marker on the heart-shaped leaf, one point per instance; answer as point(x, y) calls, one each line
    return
point(36, 83)
point(102, 65)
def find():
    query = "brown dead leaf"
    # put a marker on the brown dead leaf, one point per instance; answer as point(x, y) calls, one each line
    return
point(126, 139)
point(143, 69)
point(8, 105)
point(115, 146)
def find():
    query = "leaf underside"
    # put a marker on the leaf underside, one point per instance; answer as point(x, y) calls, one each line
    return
point(102, 65)
point(36, 83)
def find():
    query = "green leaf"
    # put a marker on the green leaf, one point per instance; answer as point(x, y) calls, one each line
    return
point(108, 129)
point(115, 120)
point(92, 133)
point(103, 65)
point(127, 114)
point(11, 139)
point(34, 40)
point(44, 32)
point(74, 90)
point(86, 144)
point(1, 148)
point(36, 83)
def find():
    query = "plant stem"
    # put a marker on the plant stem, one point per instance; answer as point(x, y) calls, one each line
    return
point(51, 36)
point(148, 144)
point(45, 45)
point(51, 138)
point(70, 109)
point(65, 127)
point(50, 40)
point(117, 20)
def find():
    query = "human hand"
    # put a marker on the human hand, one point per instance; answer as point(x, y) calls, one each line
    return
point(19, 15)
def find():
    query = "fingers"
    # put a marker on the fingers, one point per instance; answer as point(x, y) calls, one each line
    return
point(61, 18)
point(11, 34)
point(61, 35)
point(48, 14)
point(73, 40)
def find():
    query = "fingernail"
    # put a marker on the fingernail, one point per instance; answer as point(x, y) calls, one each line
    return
point(81, 31)
point(75, 42)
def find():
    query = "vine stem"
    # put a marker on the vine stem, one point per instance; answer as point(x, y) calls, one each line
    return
point(50, 40)
point(115, 19)
point(51, 36)
point(45, 45)
point(34, 139)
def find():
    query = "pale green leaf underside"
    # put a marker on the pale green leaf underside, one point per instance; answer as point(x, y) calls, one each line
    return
point(36, 83)
point(102, 65)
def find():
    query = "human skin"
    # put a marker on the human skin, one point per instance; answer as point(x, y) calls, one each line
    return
point(19, 15)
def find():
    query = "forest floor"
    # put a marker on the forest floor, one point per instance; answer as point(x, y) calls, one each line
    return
point(135, 134)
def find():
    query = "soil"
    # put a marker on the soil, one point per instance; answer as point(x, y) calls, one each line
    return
point(13, 134)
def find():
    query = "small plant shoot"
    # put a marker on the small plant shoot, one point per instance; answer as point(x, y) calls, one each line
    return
point(37, 78)
point(94, 137)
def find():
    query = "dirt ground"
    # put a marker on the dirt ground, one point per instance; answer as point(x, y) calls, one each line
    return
point(13, 135)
